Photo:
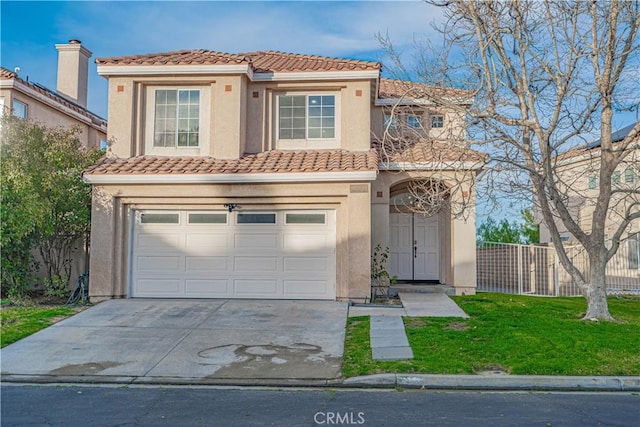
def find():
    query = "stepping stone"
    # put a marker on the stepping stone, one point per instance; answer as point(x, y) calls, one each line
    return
point(389, 339)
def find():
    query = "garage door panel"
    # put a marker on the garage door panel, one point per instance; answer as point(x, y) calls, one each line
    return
point(153, 286)
point(255, 240)
point(204, 264)
point(305, 287)
point(159, 263)
point(207, 242)
point(255, 263)
point(306, 242)
point(257, 287)
point(299, 264)
point(207, 288)
point(160, 242)
point(197, 259)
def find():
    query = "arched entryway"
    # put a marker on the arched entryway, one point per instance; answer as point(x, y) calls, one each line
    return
point(415, 230)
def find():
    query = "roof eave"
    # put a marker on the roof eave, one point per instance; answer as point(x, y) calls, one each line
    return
point(349, 176)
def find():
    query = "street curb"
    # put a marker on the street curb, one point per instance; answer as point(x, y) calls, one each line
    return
point(496, 382)
point(389, 381)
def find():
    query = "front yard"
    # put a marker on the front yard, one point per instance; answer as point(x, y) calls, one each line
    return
point(511, 334)
point(23, 320)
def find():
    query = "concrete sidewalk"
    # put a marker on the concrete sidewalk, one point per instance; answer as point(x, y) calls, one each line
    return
point(414, 305)
point(388, 339)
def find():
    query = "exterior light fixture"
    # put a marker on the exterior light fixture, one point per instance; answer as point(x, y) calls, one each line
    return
point(230, 206)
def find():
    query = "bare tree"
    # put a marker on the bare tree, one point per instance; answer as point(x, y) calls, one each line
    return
point(548, 76)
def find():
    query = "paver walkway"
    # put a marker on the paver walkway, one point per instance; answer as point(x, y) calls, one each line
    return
point(387, 335)
point(430, 305)
point(388, 338)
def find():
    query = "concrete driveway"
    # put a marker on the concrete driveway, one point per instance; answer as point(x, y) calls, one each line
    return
point(190, 341)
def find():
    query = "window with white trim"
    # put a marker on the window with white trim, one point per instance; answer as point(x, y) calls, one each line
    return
point(176, 118)
point(19, 109)
point(307, 120)
point(437, 121)
point(628, 175)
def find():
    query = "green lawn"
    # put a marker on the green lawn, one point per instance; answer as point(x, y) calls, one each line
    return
point(19, 322)
point(516, 334)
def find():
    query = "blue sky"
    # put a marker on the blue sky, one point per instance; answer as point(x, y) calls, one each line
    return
point(30, 30)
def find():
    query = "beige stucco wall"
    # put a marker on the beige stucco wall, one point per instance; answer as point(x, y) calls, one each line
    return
point(112, 205)
point(49, 116)
point(574, 179)
point(240, 116)
point(454, 128)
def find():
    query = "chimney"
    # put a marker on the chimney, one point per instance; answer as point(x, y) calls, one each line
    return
point(73, 71)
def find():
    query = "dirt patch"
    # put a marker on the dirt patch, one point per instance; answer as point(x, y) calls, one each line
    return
point(457, 326)
point(84, 368)
point(493, 369)
point(415, 323)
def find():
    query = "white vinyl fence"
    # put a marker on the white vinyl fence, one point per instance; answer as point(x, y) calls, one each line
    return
point(536, 270)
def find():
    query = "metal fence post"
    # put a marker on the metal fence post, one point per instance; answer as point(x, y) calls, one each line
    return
point(519, 270)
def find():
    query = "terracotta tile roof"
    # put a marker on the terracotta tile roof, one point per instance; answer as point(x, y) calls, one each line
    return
point(273, 61)
point(267, 162)
point(392, 89)
point(426, 152)
point(95, 119)
point(261, 62)
point(6, 74)
point(178, 57)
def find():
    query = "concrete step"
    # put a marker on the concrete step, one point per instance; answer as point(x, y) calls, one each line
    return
point(421, 288)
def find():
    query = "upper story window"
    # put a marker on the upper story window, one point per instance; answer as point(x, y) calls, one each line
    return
point(390, 122)
point(307, 121)
point(177, 118)
point(593, 182)
point(615, 178)
point(437, 121)
point(628, 176)
point(414, 121)
point(19, 109)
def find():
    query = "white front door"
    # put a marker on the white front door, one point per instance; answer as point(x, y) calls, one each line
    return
point(414, 249)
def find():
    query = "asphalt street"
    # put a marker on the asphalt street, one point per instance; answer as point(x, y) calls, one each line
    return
point(31, 405)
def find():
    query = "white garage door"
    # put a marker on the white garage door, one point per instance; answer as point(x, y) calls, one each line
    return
point(240, 254)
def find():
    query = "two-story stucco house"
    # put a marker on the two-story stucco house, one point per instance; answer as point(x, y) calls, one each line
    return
point(579, 170)
point(254, 176)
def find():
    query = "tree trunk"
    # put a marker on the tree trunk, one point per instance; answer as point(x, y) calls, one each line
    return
point(596, 293)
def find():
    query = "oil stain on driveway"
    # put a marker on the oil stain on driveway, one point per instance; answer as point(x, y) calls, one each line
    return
point(191, 340)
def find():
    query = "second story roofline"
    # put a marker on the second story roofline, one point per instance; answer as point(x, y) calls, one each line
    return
point(258, 66)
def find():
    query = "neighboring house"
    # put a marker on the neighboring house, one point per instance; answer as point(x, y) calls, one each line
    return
point(64, 107)
point(255, 176)
point(578, 169)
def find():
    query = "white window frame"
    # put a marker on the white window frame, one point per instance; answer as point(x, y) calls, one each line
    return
point(159, 212)
point(204, 122)
point(438, 117)
point(24, 104)
point(306, 224)
point(307, 143)
point(207, 224)
point(254, 224)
